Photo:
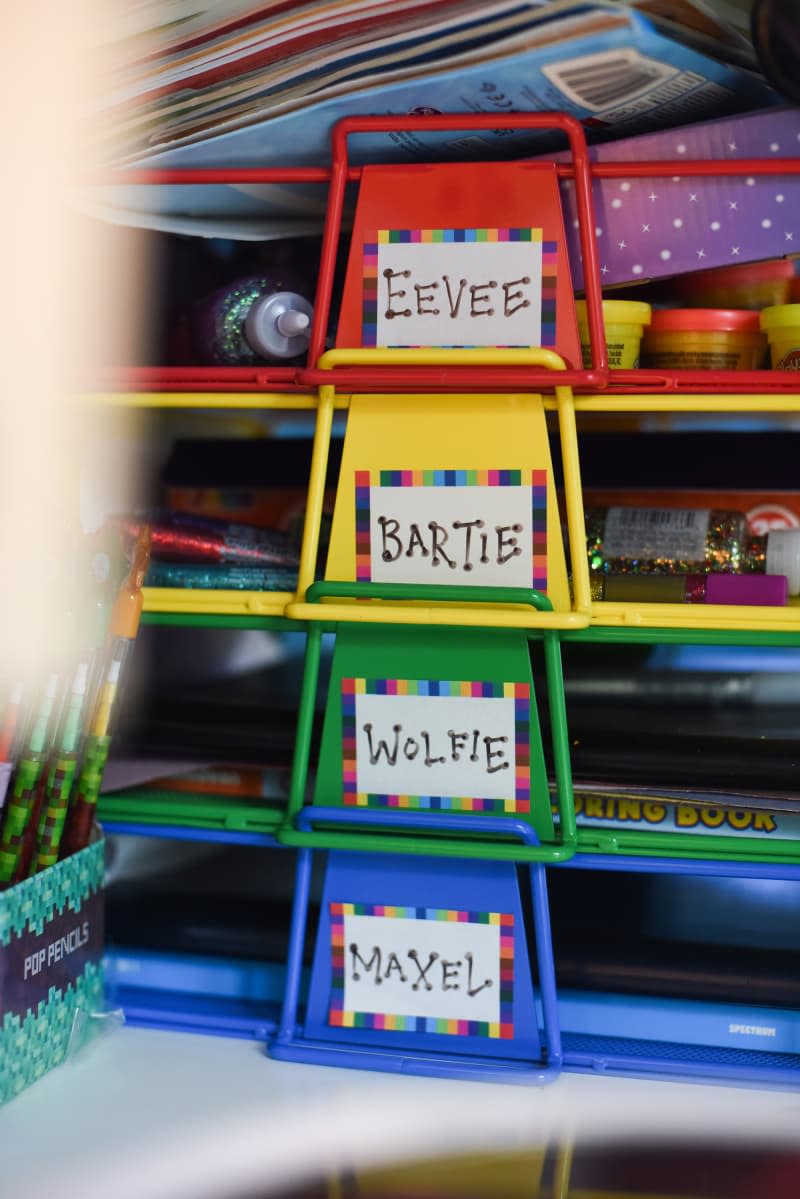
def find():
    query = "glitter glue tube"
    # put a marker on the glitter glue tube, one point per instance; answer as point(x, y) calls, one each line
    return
point(665, 541)
point(201, 539)
point(25, 784)
point(223, 578)
point(61, 773)
point(260, 318)
point(124, 626)
point(691, 589)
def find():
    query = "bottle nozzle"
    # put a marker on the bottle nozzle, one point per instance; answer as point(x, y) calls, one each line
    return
point(292, 322)
point(277, 326)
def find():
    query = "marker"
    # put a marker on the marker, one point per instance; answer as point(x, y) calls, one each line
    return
point(124, 626)
point(105, 568)
point(8, 738)
point(26, 781)
point(60, 777)
point(11, 719)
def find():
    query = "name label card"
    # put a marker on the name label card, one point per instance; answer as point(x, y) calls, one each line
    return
point(461, 287)
point(459, 527)
point(409, 969)
point(436, 744)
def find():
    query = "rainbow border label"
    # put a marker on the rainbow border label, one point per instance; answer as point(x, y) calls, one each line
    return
point(369, 317)
point(365, 480)
point(519, 692)
point(338, 1017)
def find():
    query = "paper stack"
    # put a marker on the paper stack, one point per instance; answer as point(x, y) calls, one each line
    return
point(231, 84)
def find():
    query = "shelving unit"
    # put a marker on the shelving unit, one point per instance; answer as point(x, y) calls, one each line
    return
point(327, 384)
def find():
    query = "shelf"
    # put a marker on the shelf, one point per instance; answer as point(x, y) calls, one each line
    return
point(717, 619)
point(610, 623)
point(153, 811)
point(201, 603)
point(212, 608)
point(699, 635)
point(717, 403)
point(214, 620)
point(628, 391)
point(169, 832)
point(589, 858)
point(294, 400)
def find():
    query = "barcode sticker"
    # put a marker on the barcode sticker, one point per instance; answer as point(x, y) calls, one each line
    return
point(648, 533)
point(599, 81)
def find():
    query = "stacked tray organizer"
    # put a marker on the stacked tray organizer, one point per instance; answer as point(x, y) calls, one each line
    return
point(357, 610)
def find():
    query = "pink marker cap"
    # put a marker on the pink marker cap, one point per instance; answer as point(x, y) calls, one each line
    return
point(747, 589)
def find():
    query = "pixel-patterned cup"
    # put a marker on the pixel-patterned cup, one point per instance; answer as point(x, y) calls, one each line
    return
point(624, 321)
point(781, 323)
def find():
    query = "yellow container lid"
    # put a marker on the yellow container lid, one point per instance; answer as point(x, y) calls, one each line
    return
point(619, 312)
point(780, 316)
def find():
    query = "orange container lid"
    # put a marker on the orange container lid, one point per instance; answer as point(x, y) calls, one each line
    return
point(745, 272)
point(703, 320)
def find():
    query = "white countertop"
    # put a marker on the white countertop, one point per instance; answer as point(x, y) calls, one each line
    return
point(143, 1114)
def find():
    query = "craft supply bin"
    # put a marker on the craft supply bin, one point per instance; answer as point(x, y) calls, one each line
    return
point(571, 395)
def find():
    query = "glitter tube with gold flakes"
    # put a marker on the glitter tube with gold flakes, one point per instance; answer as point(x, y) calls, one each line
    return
point(664, 541)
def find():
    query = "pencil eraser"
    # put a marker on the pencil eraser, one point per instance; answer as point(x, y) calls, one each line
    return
point(747, 589)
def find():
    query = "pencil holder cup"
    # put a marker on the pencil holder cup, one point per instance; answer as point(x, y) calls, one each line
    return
point(51, 980)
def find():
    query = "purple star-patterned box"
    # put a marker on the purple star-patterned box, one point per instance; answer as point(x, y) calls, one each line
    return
point(648, 228)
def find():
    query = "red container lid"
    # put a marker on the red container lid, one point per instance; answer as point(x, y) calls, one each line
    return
point(705, 320)
point(746, 272)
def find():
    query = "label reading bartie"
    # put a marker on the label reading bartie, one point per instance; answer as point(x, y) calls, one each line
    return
point(454, 527)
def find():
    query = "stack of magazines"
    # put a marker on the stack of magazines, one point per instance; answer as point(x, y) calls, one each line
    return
point(241, 85)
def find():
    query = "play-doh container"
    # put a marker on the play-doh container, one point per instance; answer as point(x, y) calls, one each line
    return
point(624, 321)
point(781, 324)
point(703, 339)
